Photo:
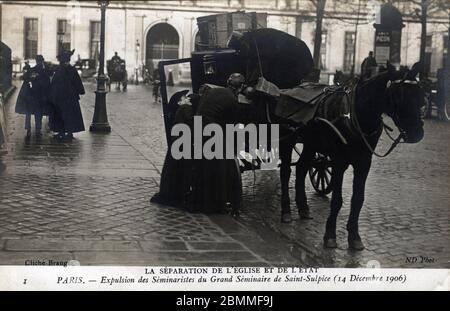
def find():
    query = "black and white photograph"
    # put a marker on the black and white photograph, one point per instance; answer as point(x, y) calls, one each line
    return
point(226, 136)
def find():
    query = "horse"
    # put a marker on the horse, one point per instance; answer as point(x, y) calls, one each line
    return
point(396, 94)
point(340, 78)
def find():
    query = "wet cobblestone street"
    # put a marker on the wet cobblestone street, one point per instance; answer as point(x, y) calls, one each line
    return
point(88, 200)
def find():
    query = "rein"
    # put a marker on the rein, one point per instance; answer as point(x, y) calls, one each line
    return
point(356, 125)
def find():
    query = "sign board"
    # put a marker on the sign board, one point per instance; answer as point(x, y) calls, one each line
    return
point(387, 46)
point(388, 35)
point(383, 38)
point(382, 54)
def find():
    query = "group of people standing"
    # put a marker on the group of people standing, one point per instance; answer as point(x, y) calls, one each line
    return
point(53, 93)
point(204, 185)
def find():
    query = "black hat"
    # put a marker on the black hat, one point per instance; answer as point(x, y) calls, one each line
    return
point(177, 97)
point(65, 56)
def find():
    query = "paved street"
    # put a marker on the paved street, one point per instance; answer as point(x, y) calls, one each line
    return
point(88, 200)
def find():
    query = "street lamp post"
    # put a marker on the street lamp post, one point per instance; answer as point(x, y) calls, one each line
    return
point(138, 49)
point(100, 121)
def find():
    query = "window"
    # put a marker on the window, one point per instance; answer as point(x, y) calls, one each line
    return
point(95, 41)
point(445, 44)
point(323, 50)
point(429, 42)
point(63, 36)
point(445, 54)
point(31, 38)
point(349, 55)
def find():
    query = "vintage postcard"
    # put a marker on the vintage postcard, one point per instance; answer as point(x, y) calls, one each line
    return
point(228, 144)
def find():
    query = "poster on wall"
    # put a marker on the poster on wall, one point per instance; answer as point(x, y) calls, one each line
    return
point(382, 54)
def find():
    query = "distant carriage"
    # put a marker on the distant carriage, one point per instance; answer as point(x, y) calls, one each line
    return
point(117, 73)
point(86, 68)
point(435, 100)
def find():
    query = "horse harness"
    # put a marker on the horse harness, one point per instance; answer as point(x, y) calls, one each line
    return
point(349, 117)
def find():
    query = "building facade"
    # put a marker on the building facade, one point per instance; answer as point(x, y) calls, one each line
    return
point(144, 32)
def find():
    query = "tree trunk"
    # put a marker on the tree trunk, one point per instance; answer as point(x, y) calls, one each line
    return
point(320, 11)
point(356, 38)
point(423, 37)
point(447, 69)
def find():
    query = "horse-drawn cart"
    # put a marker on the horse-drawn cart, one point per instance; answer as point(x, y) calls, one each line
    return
point(338, 126)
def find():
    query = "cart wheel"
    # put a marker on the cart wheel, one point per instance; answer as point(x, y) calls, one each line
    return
point(444, 113)
point(427, 109)
point(320, 174)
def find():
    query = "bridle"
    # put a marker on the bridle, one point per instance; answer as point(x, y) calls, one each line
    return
point(394, 115)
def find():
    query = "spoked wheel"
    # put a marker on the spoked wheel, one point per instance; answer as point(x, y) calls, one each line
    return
point(444, 113)
point(320, 174)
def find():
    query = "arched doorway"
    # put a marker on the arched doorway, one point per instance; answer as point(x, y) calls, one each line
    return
point(162, 43)
point(197, 42)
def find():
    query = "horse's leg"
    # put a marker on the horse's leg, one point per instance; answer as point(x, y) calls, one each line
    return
point(339, 168)
point(301, 170)
point(361, 171)
point(285, 174)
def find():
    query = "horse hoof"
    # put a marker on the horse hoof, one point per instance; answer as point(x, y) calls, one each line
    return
point(286, 218)
point(329, 243)
point(356, 245)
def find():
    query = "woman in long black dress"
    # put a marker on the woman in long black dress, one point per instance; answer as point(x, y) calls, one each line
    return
point(66, 89)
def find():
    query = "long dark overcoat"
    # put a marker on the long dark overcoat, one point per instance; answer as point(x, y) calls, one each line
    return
point(216, 182)
point(35, 92)
point(176, 175)
point(66, 89)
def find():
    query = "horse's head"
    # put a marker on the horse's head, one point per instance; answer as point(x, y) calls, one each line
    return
point(405, 100)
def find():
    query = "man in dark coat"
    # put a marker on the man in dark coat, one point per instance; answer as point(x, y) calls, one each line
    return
point(33, 96)
point(66, 89)
point(116, 58)
point(368, 65)
point(176, 174)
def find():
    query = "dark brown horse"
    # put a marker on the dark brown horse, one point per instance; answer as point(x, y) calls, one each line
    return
point(393, 93)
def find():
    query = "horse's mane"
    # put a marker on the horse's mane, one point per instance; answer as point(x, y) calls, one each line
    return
point(380, 78)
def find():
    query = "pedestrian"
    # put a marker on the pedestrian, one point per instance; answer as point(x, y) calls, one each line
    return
point(33, 96)
point(216, 185)
point(116, 59)
point(66, 89)
point(368, 66)
point(176, 174)
point(156, 85)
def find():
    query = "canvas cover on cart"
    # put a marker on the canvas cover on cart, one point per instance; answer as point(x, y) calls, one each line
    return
point(281, 58)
